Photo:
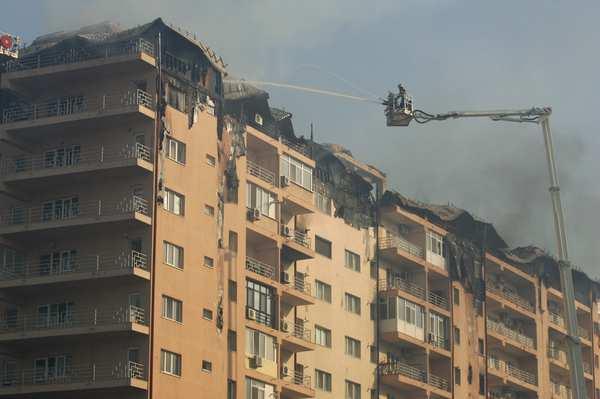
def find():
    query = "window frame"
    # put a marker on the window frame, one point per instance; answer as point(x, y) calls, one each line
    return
point(352, 304)
point(329, 244)
point(173, 360)
point(179, 148)
point(353, 347)
point(323, 380)
point(352, 261)
point(172, 309)
point(323, 291)
point(175, 249)
point(324, 332)
point(174, 202)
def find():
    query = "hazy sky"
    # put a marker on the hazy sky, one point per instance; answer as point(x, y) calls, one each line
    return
point(450, 54)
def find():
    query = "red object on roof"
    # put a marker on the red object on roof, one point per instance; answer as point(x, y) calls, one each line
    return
point(6, 42)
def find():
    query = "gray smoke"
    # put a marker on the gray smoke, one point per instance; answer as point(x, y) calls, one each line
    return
point(451, 54)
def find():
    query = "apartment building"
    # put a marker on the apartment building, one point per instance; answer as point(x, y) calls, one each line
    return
point(166, 233)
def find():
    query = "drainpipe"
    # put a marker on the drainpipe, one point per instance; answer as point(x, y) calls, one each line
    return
point(378, 188)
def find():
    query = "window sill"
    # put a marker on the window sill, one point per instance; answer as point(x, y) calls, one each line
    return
point(173, 266)
point(170, 374)
point(172, 320)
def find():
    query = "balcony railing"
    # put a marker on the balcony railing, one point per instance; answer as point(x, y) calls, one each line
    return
point(261, 172)
point(260, 268)
point(560, 391)
point(437, 300)
point(302, 238)
point(438, 342)
point(297, 146)
point(76, 374)
point(402, 285)
point(510, 296)
point(79, 264)
point(393, 241)
point(556, 318)
point(80, 54)
point(48, 212)
point(301, 283)
point(557, 354)
point(259, 316)
point(71, 105)
point(298, 330)
point(73, 319)
point(75, 158)
point(510, 333)
point(399, 368)
point(512, 370)
point(439, 382)
point(298, 378)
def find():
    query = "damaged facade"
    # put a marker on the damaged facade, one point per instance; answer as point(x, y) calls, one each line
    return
point(166, 233)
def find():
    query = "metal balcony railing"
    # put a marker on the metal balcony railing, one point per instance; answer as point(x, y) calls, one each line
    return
point(73, 319)
point(78, 264)
point(71, 105)
point(72, 374)
point(438, 300)
point(556, 318)
point(260, 268)
point(402, 285)
point(399, 368)
point(557, 353)
point(259, 316)
point(512, 370)
point(560, 391)
point(297, 146)
point(510, 295)
point(393, 241)
point(301, 283)
point(510, 333)
point(297, 378)
point(80, 54)
point(298, 330)
point(439, 382)
point(49, 212)
point(74, 158)
point(302, 238)
point(438, 341)
point(261, 172)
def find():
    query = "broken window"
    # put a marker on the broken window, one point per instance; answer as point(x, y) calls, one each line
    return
point(177, 98)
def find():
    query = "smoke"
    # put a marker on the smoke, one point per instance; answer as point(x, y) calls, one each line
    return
point(451, 54)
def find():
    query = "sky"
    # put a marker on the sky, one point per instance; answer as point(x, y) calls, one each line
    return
point(450, 55)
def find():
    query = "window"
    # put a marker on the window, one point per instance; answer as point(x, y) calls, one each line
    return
point(231, 389)
point(352, 303)
point(323, 202)
point(172, 309)
point(48, 368)
point(260, 302)
point(53, 263)
point(261, 345)
point(59, 157)
point(176, 98)
point(482, 384)
point(231, 341)
point(322, 380)
point(175, 150)
point(174, 202)
point(323, 246)
point(207, 366)
point(258, 119)
point(435, 243)
point(297, 172)
point(373, 354)
point(352, 390)
point(173, 255)
point(457, 375)
point(411, 314)
point(233, 241)
point(207, 314)
point(53, 314)
point(322, 336)
point(60, 209)
point(258, 390)
point(373, 269)
point(261, 199)
point(232, 290)
point(481, 347)
point(456, 336)
point(352, 261)
point(323, 291)
point(210, 160)
point(470, 375)
point(456, 296)
point(209, 210)
point(209, 262)
point(352, 347)
point(439, 330)
point(170, 362)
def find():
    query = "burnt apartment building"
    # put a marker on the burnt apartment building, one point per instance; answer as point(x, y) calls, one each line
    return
point(165, 233)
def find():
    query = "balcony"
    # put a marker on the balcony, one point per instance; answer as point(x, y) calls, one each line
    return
point(297, 244)
point(88, 57)
point(510, 295)
point(296, 385)
point(414, 290)
point(86, 267)
point(127, 318)
point(558, 320)
point(396, 248)
point(262, 173)
point(519, 339)
point(297, 146)
point(121, 375)
point(409, 378)
point(296, 337)
point(438, 300)
point(513, 372)
point(297, 290)
point(72, 109)
point(72, 213)
point(560, 391)
point(99, 158)
point(260, 268)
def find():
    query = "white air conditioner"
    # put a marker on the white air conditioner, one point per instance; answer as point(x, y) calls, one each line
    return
point(286, 231)
point(285, 326)
point(285, 371)
point(284, 181)
point(251, 314)
point(285, 278)
point(257, 361)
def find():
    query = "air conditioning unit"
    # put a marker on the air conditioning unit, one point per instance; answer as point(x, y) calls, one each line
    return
point(285, 278)
point(285, 371)
point(257, 361)
point(286, 231)
point(284, 181)
point(253, 214)
point(251, 314)
point(285, 327)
